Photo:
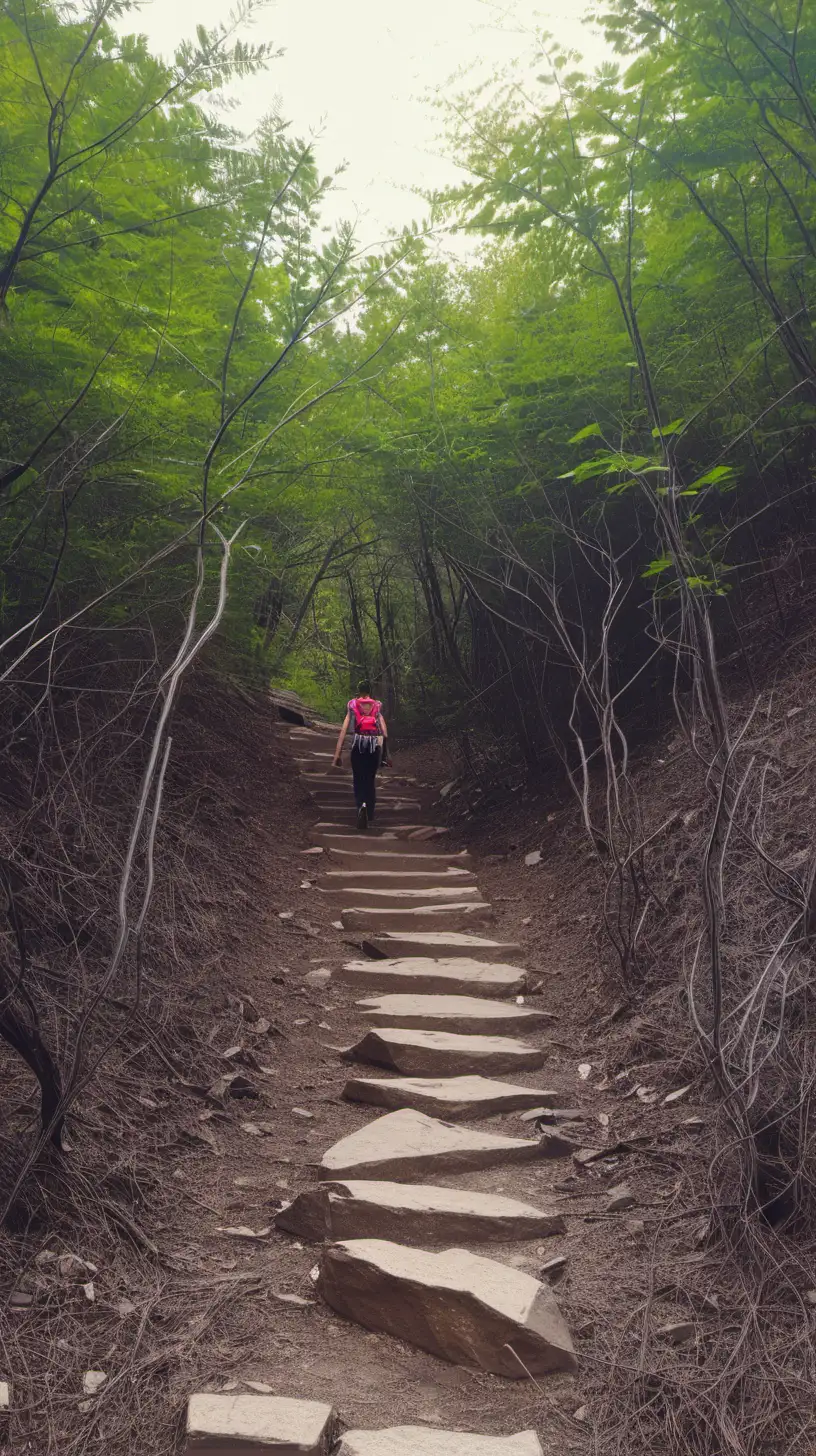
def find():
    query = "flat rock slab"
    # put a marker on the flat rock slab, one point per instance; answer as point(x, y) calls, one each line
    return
point(408, 898)
point(429, 1441)
point(428, 974)
point(457, 1305)
point(398, 830)
point(447, 1097)
point(258, 1425)
point(385, 879)
point(383, 853)
point(424, 1440)
point(443, 1053)
point(407, 1144)
point(463, 1014)
point(413, 1213)
point(444, 943)
point(454, 917)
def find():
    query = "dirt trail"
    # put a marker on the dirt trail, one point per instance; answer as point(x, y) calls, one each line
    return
point(372, 1378)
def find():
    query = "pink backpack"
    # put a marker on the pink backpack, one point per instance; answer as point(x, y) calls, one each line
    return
point(366, 720)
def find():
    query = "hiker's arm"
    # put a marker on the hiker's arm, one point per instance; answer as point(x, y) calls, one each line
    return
point(384, 731)
point(339, 749)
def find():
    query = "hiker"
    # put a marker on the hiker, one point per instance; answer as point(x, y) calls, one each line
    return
point(369, 749)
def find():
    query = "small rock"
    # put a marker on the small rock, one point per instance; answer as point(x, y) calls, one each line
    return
point(528, 919)
point(286, 915)
point(636, 1226)
point(555, 1145)
point(317, 978)
point(89, 1291)
point(580, 1414)
point(125, 1307)
point(316, 849)
point(5, 1395)
point(554, 1269)
point(533, 858)
point(620, 1198)
point(678, 1095)
point(677, 1334)
point(19, 1299)
point(303, 1112)
point(296, 1299)
point(810, 1296)
point(259, 1386)
point(301, 1021)
point(337, 925)
point(92, 1381)
point(551, 1116)
point(242, 1231)
point(693, 1123)
point(585, 1071)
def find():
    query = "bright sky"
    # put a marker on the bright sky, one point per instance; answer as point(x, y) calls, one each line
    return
point(360, 73)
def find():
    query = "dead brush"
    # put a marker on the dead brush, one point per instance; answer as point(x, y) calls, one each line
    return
point(743, 1272)
point(84, 1283)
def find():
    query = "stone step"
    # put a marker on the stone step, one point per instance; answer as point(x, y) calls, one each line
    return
point(397, 879)
point(428, 974)
point(444, 943)
point(463, 1014)
point(460, 1306)
point(387, 817)
point(327, 833)
point(443, 1053)
point(356, 895)
point(452, 1098)
point(403, 1145)
point(413, 1213)
point(238, 1424)
point(383, 853)
point(442, 918)
point(430, 1441)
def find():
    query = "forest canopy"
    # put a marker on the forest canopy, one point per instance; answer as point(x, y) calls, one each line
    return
point(418, 454)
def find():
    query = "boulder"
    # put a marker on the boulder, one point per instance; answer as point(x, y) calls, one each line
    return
point(405, 1144)
point(444, 943)
point(443, 1053)
point(233, 1424)
point(447, 1097)
point(460, 1306)
point(430, 974)
point(463, 1014)
point(413, 1213)
point(429, 1441)
point(456, 916)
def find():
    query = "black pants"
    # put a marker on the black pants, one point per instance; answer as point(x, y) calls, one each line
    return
point(364, 765)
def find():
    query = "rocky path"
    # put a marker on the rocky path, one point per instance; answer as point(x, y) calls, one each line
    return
point(405, 1210)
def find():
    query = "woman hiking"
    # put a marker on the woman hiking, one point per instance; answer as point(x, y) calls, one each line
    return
point(369, 749)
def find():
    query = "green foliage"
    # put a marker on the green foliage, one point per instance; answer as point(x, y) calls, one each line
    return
point(404, 441)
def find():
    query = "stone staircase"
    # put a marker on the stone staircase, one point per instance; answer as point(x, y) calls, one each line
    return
point(441, 1013)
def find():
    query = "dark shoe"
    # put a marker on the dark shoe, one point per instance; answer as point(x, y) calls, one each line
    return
point(362, 818)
